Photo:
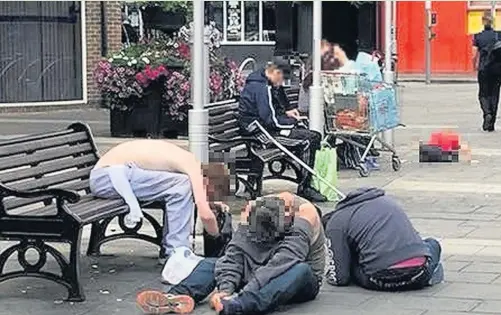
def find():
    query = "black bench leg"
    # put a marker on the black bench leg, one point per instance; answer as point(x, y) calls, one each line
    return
point(72, 271)
point(96, 234)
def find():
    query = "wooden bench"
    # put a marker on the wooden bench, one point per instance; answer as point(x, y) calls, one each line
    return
point(44, 197)
point(250, 154)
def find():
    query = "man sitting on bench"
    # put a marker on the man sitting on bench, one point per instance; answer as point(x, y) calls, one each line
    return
point(372, 243)
point(257, 103)
point(276, 257)
point(156, 170)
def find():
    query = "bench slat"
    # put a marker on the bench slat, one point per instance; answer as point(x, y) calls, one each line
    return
point(217, 119)
point(221, 109)
point(13, 203)
point(27, 146)
point(49, 167)
point(36, 137)
point(44, 155)
point(51, 180)
point(214, 130)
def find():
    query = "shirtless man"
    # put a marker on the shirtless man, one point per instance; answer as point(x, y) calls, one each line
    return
point(276, 257)
point(152, 170)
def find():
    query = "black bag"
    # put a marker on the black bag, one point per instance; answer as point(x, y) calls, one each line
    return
point(433, 153)
point(215, 246)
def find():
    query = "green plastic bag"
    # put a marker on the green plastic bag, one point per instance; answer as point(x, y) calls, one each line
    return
point(326, 167)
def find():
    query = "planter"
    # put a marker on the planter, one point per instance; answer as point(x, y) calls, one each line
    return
point(171, 128)
point(167, 22)
point(142, 117)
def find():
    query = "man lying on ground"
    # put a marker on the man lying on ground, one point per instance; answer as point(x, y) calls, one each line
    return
point(156, 170)
point(276, 257)
point(372, 243)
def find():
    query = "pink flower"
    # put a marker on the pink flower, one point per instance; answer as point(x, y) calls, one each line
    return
point(141, 78)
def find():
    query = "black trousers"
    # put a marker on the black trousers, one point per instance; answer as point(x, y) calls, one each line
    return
point(488, 94)
point(305, 151)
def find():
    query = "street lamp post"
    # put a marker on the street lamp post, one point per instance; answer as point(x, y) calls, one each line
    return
point(388, 135)
point(427, 42)
point(493, 13)
point(316, 109)
point(198, 117)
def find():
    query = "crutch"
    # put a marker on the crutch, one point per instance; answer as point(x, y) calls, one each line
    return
point(295, 158)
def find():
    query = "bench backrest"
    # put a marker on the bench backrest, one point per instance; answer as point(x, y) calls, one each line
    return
point(223, 124)
point(60, 159)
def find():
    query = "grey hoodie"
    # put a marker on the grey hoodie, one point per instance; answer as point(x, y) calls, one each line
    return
point(371, 230)
point(248, 266)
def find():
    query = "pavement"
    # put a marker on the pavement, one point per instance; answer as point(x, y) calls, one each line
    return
point(458, 203)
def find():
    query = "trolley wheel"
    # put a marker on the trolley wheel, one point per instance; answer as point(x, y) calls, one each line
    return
point(396, 163)
point(363, 170)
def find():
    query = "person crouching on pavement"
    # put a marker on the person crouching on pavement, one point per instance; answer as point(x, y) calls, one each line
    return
point(155, 170)
point(276, 257)
point(372, 243)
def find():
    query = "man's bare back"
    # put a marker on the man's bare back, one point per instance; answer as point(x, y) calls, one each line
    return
point(157, 155)
point(160, 155)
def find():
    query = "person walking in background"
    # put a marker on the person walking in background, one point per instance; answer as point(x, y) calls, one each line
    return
point(488, 82)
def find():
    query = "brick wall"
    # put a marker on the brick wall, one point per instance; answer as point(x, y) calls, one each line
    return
point(93, 28)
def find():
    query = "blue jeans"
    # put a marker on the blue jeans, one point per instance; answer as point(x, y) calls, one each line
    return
point(400, 279)
point(297, 285)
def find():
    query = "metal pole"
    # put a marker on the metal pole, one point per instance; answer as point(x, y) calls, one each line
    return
point(198, 117)
point(316, 109)
point(388, 135)
point(427, 42)
point(493, 13)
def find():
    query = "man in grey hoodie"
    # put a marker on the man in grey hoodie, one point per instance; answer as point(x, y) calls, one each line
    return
point(276, 257)
point(372, 243)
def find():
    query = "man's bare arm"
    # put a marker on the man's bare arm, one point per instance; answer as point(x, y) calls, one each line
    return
point(194, 172)
point(474, 51)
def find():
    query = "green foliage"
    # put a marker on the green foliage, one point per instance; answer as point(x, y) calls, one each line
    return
point(184, 7)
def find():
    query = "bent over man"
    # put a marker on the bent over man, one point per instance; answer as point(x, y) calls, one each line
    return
point(372, 243)
point(276, 257)
point(259, 103)
point(156, 170)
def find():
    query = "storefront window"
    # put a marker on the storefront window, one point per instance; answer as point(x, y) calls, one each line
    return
point(244, 22)
point(482, 4)
point(251, 19)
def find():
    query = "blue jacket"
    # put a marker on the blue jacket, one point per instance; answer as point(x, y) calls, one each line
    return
point(257, 103)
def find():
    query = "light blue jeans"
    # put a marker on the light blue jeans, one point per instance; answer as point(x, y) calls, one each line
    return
point(147, 186)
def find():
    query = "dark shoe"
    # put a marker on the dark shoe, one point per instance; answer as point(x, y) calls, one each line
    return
point(312, 195)
point(487, 125)
point(231, 307)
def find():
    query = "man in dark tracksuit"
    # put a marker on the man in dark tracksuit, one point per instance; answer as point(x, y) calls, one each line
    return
point(372, 243)
point(258, 103)
point(488, 82)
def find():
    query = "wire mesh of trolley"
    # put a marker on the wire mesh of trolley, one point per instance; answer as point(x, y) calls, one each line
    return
point(357, 111)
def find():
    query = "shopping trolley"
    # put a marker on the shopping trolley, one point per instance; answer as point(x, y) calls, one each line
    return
point(357, 111)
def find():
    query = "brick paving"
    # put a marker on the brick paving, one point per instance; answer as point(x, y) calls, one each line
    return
point(460, 204)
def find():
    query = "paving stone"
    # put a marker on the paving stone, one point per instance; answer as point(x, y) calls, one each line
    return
point(483, 267)
point(491, 233)
point(470, 277)
point(489, 307)
point(406, 302)
point(471, 291)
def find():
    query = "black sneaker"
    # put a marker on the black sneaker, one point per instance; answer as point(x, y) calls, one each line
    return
point(488, 125)
point(312, 195)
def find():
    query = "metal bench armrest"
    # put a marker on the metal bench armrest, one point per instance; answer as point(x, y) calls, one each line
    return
point(239, 139)
point(64, 194)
